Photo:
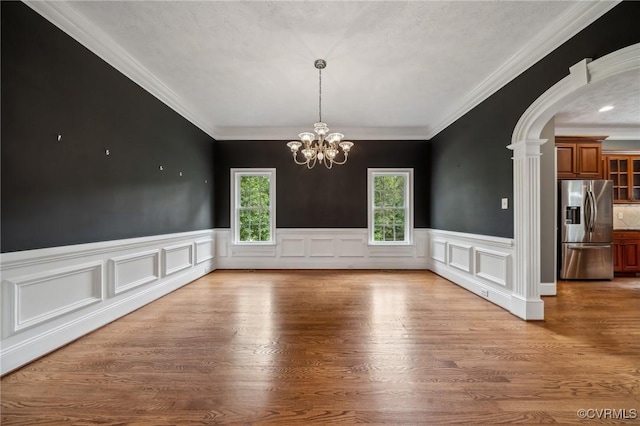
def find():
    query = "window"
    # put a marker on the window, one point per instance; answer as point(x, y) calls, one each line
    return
point(253, 205)
point(390, 206)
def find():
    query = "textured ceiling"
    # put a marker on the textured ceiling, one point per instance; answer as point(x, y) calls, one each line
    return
point(581, 115)
point(396, 70)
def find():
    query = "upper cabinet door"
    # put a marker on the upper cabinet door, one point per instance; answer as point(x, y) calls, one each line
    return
point(635, 178)
point(566, 160)
point(579, 157)
point(589, 163)
point(618, 172)
point(624, 171)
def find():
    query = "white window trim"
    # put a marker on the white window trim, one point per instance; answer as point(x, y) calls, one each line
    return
point(408, 231)
point(236, 174)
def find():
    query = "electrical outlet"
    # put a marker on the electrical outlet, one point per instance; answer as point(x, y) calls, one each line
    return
point(484, 292)
point(505, 203)
point(620, 215)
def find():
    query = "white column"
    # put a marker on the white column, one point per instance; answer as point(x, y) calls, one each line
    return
point(525, 299)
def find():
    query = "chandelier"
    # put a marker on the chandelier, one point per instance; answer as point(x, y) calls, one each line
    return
point(326, 148)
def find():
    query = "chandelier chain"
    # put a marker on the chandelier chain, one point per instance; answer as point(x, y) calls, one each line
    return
point(320, 95)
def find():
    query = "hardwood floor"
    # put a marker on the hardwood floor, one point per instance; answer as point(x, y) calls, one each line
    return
point(299, 347)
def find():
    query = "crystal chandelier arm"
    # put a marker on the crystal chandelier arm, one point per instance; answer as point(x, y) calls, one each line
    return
point(295, 159)
point(346, 148)
point(328, 164)
point(311, 165)
point(339, 163)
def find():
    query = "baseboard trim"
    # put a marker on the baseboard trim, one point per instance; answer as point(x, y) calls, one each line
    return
point(491, 294)
point(548, 289)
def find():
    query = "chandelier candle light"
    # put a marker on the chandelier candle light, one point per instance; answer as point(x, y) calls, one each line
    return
point(325, 149)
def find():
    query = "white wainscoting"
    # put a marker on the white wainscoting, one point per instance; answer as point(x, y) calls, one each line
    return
point(52, 296)
point(481, 264)
point(320, 249)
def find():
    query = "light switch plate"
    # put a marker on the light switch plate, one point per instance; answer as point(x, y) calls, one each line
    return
point(505, 203)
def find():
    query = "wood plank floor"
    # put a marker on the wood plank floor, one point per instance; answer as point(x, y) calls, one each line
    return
point(343, 347)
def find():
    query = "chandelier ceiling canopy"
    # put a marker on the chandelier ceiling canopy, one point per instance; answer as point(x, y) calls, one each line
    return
point(321, 147)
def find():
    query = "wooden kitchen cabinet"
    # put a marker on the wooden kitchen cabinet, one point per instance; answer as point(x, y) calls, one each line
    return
point(566, 160)
point(579, 157)
point(624, 171)
point(617, 256)
point(626, 251)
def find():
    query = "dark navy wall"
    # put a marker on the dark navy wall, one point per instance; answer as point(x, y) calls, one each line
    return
point(321, 198)
point(68, 192)
point(471, 166)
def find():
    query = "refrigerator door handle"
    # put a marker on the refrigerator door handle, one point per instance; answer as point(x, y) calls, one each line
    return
point(590, 211)
point(594, 211)
point(598, 247)
point(587, 212)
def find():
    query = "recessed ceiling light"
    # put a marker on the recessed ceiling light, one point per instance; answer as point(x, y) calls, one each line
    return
point(606, 108)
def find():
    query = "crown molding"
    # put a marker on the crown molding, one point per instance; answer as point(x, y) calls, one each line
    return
point(63, 16)
point(612, 132)
point(351, 133)
point(555, 34)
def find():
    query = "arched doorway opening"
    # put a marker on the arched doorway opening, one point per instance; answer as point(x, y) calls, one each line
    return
point(525, 143)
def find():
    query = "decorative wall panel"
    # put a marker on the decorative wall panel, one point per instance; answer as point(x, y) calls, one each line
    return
point(40, 298)
point(292, 247)
point(460, 256)
point(134, 270)
point(352, 247)
point(177, 258)
point(205, 250)
point(439, 250)
point(493, 266)
point(321, 247)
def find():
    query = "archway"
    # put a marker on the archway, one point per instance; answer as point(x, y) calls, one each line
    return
point(525, 143)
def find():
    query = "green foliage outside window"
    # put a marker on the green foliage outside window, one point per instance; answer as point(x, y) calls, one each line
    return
point(253, 211)
point(389, 208)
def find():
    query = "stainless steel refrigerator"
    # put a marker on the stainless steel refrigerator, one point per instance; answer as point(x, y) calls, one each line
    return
point(586, 229)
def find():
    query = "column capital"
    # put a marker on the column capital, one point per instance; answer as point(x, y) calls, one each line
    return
point(527, 148)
